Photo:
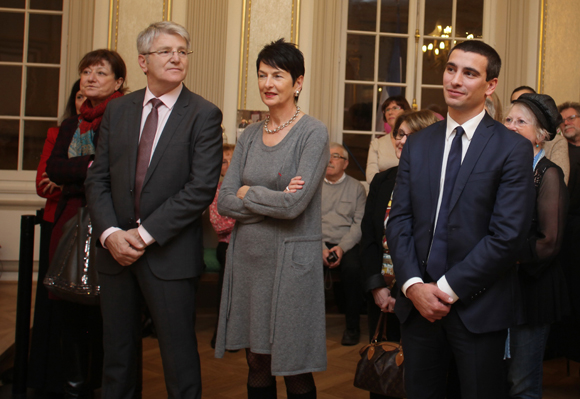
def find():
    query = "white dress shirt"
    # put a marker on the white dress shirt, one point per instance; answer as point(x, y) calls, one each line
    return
point(469, 127)
point(168, 99)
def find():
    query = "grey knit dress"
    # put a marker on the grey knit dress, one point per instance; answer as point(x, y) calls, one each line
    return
point(273, 295)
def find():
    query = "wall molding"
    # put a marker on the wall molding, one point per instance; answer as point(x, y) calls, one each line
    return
point(19, 193)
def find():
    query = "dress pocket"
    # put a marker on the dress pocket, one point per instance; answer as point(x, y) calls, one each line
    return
point(303, 253)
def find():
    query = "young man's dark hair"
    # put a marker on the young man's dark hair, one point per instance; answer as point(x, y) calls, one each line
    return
point(479, 47)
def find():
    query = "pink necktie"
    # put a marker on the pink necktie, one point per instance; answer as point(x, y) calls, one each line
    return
point(144, 154)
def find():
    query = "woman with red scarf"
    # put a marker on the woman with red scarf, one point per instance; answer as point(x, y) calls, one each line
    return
point(102, 76)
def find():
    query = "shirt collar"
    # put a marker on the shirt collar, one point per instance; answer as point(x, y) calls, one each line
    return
point(336, 182)
point(469, 127)
point(169, 99)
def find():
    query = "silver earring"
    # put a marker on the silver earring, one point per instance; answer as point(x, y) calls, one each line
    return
point(297, 93)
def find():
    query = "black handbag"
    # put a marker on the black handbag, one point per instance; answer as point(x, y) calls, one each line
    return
point(72, 274)
point(381, 369)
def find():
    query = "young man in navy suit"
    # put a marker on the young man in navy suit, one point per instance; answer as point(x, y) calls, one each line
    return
point(156, 170)
point(462, 207)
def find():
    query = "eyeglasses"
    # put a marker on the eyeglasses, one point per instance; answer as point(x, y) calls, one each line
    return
point(169, 53)
point(571, 118)
point(517, 122)
point(400, 134)
point(337, 156)
point(395, 108)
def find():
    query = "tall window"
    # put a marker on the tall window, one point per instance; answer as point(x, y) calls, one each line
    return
point(397, 47)
point(30, 69)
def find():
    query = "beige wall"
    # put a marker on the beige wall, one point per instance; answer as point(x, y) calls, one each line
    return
point(562, 58)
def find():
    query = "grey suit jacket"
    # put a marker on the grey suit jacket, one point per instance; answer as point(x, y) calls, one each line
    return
point(179, 185)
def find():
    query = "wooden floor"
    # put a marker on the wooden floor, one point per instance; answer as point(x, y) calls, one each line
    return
point(226, 378)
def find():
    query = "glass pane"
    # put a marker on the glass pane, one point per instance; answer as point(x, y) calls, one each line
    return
point(362, 15)
point(438, 14)
point(55, 5)
point(8, 144)
point(383, 93)
point(12, 3)
point(469, 18)
point(10, 81)
point(435, 54)
point(360, 57)
point(433, 99)
point(34, 136)
point(392, 59)
point(358, 107)
point(44, 38)
point(42, 92)
point(11, 36)
point(394, 16)
point(358, 147)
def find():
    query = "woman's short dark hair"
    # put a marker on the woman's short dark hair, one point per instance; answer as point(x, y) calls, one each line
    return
point(283, 55)
point(401, 101)
point(97, 57)
point(71, 108)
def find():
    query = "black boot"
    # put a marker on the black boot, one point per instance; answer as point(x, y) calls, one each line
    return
point(262, 392)
point(307, 395)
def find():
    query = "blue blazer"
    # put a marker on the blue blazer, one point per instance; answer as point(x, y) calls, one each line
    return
point(490, 214)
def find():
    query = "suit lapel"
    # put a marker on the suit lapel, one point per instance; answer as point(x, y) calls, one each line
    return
point(482, 135)
point(169, 130)
point(135, 116)
point(435, 151)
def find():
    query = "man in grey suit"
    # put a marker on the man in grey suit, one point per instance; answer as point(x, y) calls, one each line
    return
point(156, 170)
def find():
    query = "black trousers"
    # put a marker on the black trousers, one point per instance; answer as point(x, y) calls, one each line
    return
point(350, 272)
point(430, 347)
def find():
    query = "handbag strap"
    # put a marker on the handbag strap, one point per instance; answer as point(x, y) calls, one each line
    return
point(381, 323)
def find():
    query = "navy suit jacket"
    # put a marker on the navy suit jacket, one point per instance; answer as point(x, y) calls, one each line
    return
point(179, 185)
point(489, 217)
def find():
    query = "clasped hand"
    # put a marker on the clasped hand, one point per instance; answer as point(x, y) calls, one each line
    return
point(125, 246)
point(383, 299)
point(429, 300)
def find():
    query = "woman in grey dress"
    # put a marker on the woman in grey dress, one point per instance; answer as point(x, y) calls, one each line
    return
point(273, 297)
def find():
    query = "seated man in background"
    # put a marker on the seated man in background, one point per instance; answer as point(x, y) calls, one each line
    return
point(343, 205)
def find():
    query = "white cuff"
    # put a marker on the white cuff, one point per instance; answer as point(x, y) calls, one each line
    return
point(106, 235)
point(145, 236)
point(444, 286)
point(410, 282)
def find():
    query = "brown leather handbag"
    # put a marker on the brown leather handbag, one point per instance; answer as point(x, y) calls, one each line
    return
point(381, 369)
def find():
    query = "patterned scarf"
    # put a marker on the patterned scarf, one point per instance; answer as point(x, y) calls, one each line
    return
point(89, 121)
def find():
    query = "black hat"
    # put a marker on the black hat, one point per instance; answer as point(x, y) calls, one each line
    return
point(544, 108)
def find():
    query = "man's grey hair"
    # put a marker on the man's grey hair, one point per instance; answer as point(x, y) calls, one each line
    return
point(149, 34)
point(344, 151)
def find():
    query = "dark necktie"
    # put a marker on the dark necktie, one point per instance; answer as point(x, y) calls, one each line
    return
point(437, 264)
point(145, 147)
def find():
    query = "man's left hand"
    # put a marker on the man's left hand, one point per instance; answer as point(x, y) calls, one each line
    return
point(339, 252)
point(139, 240)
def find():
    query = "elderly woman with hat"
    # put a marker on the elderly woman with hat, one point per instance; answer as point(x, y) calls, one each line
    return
point(542, 281)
